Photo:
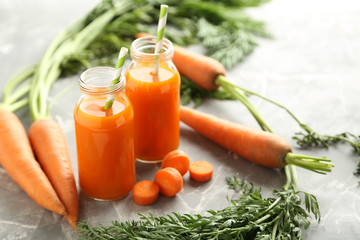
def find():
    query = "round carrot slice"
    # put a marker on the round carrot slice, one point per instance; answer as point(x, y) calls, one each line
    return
point(145, 192)
point(178, 160)
point(169, 180)
point(201, 171)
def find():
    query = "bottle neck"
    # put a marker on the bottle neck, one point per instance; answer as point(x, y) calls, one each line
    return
point(143, 50)
point(97, 81)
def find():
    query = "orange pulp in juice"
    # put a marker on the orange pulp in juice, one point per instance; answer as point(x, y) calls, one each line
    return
point(156, 101)
point(105, 148)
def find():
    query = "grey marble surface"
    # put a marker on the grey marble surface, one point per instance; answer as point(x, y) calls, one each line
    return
point(312, 65)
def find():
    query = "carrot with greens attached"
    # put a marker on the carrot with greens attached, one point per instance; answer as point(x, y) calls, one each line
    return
point(178, 160)
point(169, 180)
point(145, 192)
point(260, 147)
point(16, 155)
point(50, 147)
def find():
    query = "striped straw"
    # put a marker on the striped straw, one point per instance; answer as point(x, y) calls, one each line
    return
point(160, 33)
point(116, 77)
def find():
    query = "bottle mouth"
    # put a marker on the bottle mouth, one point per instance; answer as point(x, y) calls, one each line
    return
point(97, 80)
point(143, 49)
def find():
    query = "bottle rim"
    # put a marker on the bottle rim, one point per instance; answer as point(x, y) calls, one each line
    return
point(97, 80)
point(142, 49)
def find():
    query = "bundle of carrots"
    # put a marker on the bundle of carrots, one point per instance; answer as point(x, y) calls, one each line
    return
point(16, 154)
point(40, 164)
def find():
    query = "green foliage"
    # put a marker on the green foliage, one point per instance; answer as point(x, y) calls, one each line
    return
point(313, 139)
point(189, 22)
point(310, 138)
point(229, 42)
point(190, 92)
point(249, 216)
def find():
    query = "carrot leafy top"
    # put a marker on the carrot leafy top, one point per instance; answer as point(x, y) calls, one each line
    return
point(249, 216)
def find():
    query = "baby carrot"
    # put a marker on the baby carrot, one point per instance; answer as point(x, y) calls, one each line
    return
point(201, 171)
point(50, 147)
point(145, 192)
point(18, 160)
point(169, 180)
point(178, 160)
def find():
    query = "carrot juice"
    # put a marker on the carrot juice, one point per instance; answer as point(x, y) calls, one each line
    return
point(105, 144)
point(155, 99)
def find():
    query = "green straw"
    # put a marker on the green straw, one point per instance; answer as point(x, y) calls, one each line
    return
point(160, 33)
point(116, 77)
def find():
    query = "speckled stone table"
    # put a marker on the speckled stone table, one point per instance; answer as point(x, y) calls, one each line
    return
point(312, 66)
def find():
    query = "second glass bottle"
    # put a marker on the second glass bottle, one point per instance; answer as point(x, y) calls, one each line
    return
point(155, 99)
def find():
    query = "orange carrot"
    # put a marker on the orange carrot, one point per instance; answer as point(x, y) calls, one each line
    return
point(18, 160)
point(50, 148)
point(260, 147)
point(169, 180)
point(145, 192)
point(201, 171)
point(200, 69)
point(178, 160)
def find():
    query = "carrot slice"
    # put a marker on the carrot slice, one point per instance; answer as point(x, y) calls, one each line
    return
point(201, 171)
point(169, 180)
point(145, 192)
point(178, 160)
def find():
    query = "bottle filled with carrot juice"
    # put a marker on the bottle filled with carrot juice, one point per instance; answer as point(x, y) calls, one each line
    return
point(155, 96)
point(104, 138)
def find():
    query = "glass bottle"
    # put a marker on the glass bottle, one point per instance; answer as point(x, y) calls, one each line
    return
point(155, 99)
point(104, 138)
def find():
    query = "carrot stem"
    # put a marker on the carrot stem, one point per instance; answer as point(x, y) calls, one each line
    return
point(18, 105)
point(291, 177)
point(71, 41)
point(10, 98)
point(229, 87)
point(19, 93)
point(15, 80)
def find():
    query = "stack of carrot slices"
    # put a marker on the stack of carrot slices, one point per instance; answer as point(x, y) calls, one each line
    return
point(169, 180)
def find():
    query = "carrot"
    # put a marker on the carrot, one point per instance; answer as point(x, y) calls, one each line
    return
point(145, 192)
point(169, 180)
point(264, 148)
point(199, 68)
point(260, 147)
point(50, 148)
point(201, 171)
point(18, 160)
point(178, 160)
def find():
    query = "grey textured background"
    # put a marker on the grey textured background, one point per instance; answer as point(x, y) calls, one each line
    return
point(312, 66)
